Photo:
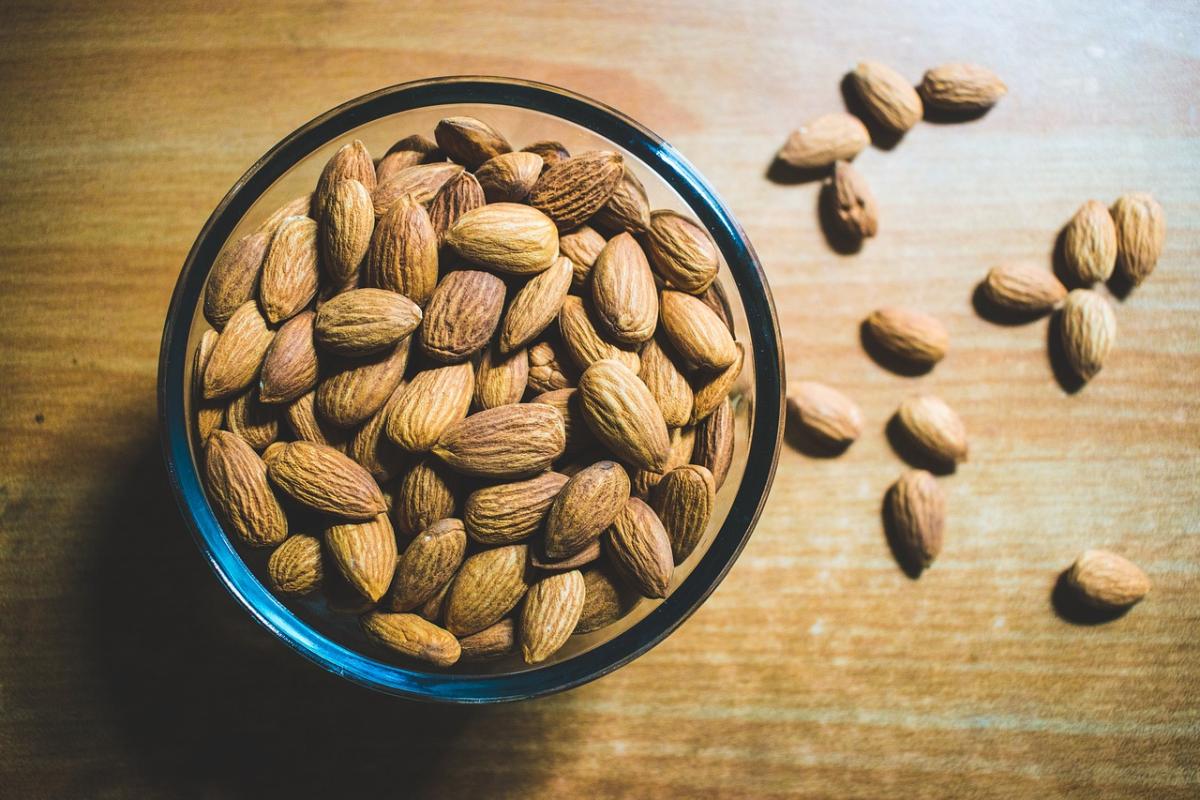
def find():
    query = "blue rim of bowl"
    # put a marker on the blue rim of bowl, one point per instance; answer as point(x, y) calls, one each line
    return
point(763, 447)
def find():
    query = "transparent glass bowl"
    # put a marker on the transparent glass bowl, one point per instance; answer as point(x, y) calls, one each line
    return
point(525, 112)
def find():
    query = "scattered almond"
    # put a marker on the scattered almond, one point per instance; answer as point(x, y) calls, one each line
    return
point(934, 427)
point(961, 88)
point(917, 510)
point(1090, 244)
point(891, 100)
point(853, 205)
point(1089, 328)
point(910, 335)
point(825, 412)
point(1024, 288)
point(1141, 229)
point(824, 140)
point(1107, 581)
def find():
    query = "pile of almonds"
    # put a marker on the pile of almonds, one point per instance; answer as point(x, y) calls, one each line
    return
point(478, 396)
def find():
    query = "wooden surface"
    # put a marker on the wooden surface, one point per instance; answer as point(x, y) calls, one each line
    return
point(818, 668)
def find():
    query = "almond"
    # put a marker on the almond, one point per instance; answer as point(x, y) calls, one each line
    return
point(573, 190)
point(622, 413)
point(295, 567)
point(603, 602)
point(535, 306)
point(347, 221)
point(394, 163)
point(301, 206)
point(910, 335)
point(505, 442)
point(416, 143)
point(469, 141)
point(233, 279)
point(289, 274)
point(238, 354)
point(683, 442)
point(1090, 244)
point(715, 441)
point(962, 88)
point(699, 336)
point(350, 162)
point(426, 493)
point(639, 546)
point(1107, 581)
point(667, 384)
point(1024, 288)
point(289, 368)
point(488, 586)
point(567, 403)
point(302, 419)
point(684, 501)
point(824, 140)
point(577, 326)
point(365, 321)
point(372, 450)
point(356, 389)
point(628, 209)
point(431, 402)
point(460, 194)
point(854, 211)
point(508, 177)
point(825, 412)
point(236, 480)
point(364, 552)
point(511, 512)
point(204, 351)
point(433, 608)
point(507, 237)
point(577, 561)
point(412, 636)
point(623, 291)
point(681, 252)
point(1141, 229)
point(917, 510)
point(429, 561)
point(587, 504)
point(548, 371)
point(501, 380)
point(321, 478)
point(1088, 328)
point(210, 414)
point(550, 614)
point(419, 184)
point(462, 314)
point(403, 254)
point(890, 99)
point(934, 427)
point(551, 152)
point(714, 298)
point(256, 422)
point(493, 641)
point(710, 389)
point(581, 246)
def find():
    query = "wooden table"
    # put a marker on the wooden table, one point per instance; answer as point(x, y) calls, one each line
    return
point(818, 668)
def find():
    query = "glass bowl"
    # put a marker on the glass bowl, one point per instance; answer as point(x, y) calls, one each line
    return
point(525, 112)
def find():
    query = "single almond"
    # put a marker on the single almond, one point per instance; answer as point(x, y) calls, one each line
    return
point(639, 547)
point(628, 209)
point(825, 412)
point(603, 602)
point(684, 501)
point(236, 480)
point(507, 237)
point(504, 442)
point(419, 184)
point(699, 336)
point(321, 478)
point(961, 88)
point(394, 163)
point(581, 559)
point(256, 422)
point(289, 274)
point(507, 178)
point(429, 561)
point(1141, 229)
point(238, 355)
point(469, 141)
point(933, 427)
point(488, 586)
point(295, 567)
point(623, 291)
point(365, 321)
point(501, 380)
point(372, 450)
point(234, 277)
point(909, 335)
point(571, 191)
point(416, 143)
point(664, 377)
point(853, 207)
point(550, 614)
point(493, 641)
point(210, 414)
point(715, 441)
point(355, 389)
point(289, 368)
point(821, 141)
point(301, 206)
point(507, 513)
point(549, 369)
point(204, 351)
point(622, 413)
point(403, 253)
point(364, 553)
point(586, 506)
point(709, 389)
point(307, 426)
point(1090, 244)
point(427, 492)
point(462, 315)
point(412, 636)
point(681, 252)
point(567, 403)
point(891, 100)
point(1107, 581)
point(714, 297)
point(683, 442)
point(350, 162)
point(1088, 328)
point(1024, 288)
point(917, 511)
point(535, 306)
point(347, 221)
point(581, 246)
point(429, 404)
point(582, 339)
point(460, 194)
point(551, 152)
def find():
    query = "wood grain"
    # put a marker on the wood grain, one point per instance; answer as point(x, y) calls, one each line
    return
point(818, 668)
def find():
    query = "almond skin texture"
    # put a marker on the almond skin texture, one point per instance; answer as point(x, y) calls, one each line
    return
point(507, 237)
point(355, 389)
point(507, 178)
point(238, 354)
point(511, 512)
point(469, 141)
point(623, 292)
point(535, 306)
point(487, 587)
point(581, 246)
point(256, 422)
point(714, 442)
point(289, 367)
point(710, 389)
point(567, 403)
point(396, 162)
point(321, 478)
point(1141, 230)
point(460, 194)
point(587, 504)
point(582, 339)
point(549, 369)
point(1090, 244)
point(295, 567)
point(825, 412)
point(917, 510)
point(824, 140)
point(1089, 329)
point(934, 427)
point(1107, 581)
point(365, 553)
point(964, 88)
point(419, 184)
point(622, 413)
point(365, 321)
point(501, 380)
point(403, 253)
point(890, 99)
point(572, 191)
point(581, 559)
point(234, 277)
point(639, 546)
point(1024, 288)
point(236, 480)
point(432, 401)
point(210, 414)
point(699, 336)
point(681, 252)
point(667, 384)
point(429, 561)
point(302, 419)
point(550, 614)
point(301, 206)
point(412, 636)
point(603, 602)
point(628, 209)
point(551, 152)
point(493, 641)
point(426, 493)
point(684, 501)
point(350, 162)
point(347, 221)
point(462, 314)
point(854, 209)
point(505, 442)
point(371, 448)
point(289, 274)
point(914, 337)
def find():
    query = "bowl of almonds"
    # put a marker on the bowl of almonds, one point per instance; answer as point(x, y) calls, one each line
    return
point(471, 390)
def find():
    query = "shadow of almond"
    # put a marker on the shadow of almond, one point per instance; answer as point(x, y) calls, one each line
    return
point(904, 559)
point(881, 137)
point(1069, 607)
point(886, 358)
point(911, 452)
point(1068, 379)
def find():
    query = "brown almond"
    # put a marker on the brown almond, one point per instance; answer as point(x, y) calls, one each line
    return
point(854, 212)
point(416, 143)
point(628, 209)
point(684, 501)
point(488, 586)
point(1088, 328)
point(714, 297)
point(583, 341)
point(236, 480)
point(301, 206)
point(365, 321)
point(551, 152)
point(511, 512)
point(1090, 244)
point(715, 441)
point(603, 603)
point(289, 368)
point(508, 177)
point(708, 390)
point(234, 277)
point(462, 315)
point(823, 140)
point(321, 478)
point(370, 447)
point(587, 504)
point(961, 88)
point(581, 246)
point(350, 162)
point(289, 274)
point(567, 403)
point(667, 384)
point(572, 191)
point(210, 414)
point(429, 404)
point(238, 354)
point(825, 412)
point(493, 641)
point(1141, 230)
point(355, 389)
point(1107, 581)
point(910, 335)
point(460, 194)
point(364, 552)
point(507, 237)
point(204, 351)
point(254, 421)
point(550, 614)
point(917, 512)
point(624, 295)
point(891, 100)
point(393, 163)
point(426, 493)
point(295, 567)
point(699, 336)
point(681, 252)
point(419, 184)
point(469, 141)
point(639, 547)
point(403, 254)
point(549, 369)
point(412, 636)
point(501, 380)
point(535, 306)
point(622, 413)
point(683, 442)
point(581, 559)
point(1024, 288)
point(429, 561)
point(504, 442)
point(934, 427)
point(302, 419)
point(347, 221)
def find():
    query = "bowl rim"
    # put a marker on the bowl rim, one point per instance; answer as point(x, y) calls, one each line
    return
point(766, 430)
